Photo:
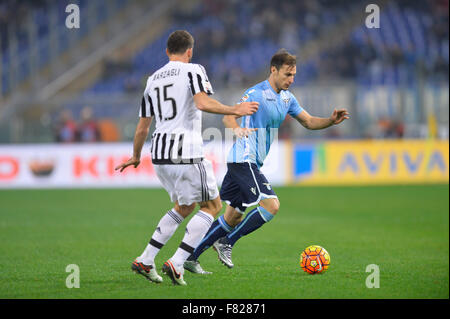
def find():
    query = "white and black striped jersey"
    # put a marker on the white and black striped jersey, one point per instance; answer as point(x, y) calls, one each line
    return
point(168, 97)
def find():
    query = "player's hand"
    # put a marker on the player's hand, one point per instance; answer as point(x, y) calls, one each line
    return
point(246, 108)
point(243, 131)
point(132, 161)
point(339, 115)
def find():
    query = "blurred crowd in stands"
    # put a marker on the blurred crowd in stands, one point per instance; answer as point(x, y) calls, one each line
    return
point(20, 8)
point(235, 40)
point(412, 34)
point(87, 130)
point(240, 25)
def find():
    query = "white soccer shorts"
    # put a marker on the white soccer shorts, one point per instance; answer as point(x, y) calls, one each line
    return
point(188, 183)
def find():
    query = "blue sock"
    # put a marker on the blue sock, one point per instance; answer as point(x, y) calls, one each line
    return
point(255, 219)
point(218, 229)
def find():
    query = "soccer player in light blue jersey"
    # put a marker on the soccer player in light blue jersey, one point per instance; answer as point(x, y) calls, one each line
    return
point(244, 185)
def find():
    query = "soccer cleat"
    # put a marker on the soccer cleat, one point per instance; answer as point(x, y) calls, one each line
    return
point(175, 273)
point(194, 267)
point(148, 272)
point(224, 252)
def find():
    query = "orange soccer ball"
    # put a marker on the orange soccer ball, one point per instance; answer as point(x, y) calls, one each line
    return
point(315, 259)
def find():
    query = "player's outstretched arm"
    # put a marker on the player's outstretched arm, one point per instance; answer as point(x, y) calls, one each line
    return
point(140, 136)
point(318, 123)
point(206, 104)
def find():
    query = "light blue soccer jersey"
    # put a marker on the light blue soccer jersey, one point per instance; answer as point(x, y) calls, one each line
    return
point(273, 108)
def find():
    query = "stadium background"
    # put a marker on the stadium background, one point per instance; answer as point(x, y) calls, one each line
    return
point(69, 97)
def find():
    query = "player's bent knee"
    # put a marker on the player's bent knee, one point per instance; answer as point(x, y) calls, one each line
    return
point(184, 210)
point(272, 205)
point(277, 206)
point(212, 207)
point(216, 205)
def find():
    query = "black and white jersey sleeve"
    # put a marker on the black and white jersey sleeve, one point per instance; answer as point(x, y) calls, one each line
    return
point(198, 80)
point(146, 108)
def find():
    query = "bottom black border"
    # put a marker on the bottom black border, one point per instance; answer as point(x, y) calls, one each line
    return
point(229, 308)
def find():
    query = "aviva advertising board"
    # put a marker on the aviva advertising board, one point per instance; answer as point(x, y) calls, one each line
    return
point(370, 162)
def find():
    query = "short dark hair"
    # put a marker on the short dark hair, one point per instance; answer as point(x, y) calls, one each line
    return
point(179, 41)
point(282, 57)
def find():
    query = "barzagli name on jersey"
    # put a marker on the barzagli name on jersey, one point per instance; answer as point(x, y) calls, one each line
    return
point(166, 73)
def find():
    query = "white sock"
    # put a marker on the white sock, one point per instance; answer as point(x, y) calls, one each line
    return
point(164, 231)
point(195, 231)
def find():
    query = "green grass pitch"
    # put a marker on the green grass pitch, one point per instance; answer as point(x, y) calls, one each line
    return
point(402, 229)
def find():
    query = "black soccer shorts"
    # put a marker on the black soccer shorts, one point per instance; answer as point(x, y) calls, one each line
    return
point(244, 186)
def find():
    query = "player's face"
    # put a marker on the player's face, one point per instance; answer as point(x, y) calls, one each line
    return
point(284, 77)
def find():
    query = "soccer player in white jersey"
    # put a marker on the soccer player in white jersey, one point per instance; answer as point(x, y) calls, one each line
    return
point(175, 95)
